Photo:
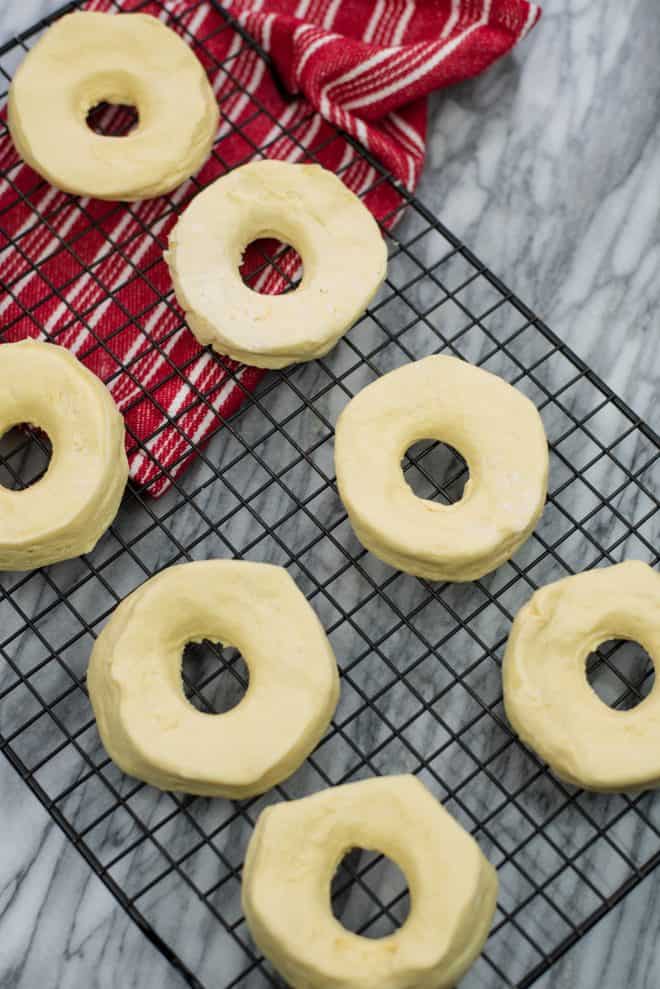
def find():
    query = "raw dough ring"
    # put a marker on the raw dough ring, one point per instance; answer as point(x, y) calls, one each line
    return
point(547, 696)
point(86, 58)
point(67, 510)
point(292, 857)
point(149, 728)
point(343, 253)
point(492, 425)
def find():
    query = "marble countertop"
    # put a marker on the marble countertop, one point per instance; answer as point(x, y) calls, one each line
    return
point(548, 168)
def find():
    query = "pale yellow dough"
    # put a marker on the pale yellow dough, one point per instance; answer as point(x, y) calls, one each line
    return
point(493, 426)
point(86, 58)
point(68, 509)
point(146, 723)
point(343, 253)
point(547, 696)
point(294, 853)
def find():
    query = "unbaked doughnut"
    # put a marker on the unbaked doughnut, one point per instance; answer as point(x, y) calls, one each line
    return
point(149, 728)
point(343, 253)
point(496, 429)
point(86, 58)
point(547, 696)
point(67, 510)
point(292, 857)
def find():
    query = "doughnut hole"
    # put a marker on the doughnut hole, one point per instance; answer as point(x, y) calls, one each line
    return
point(621, 673)
point(215, 678)
point(113, 119)
point(271, 267)
point(25, 455)
point(435, 471)
point(369, 894)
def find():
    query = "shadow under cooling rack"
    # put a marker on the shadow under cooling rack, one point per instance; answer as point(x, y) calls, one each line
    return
point(420, 662)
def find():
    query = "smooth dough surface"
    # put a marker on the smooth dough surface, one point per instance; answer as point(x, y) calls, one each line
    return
point(547, 696)
point(294, 853)
point(146, 723)
point(86, 58)
point(496, 429)
point(69, 508)
point(343, 254)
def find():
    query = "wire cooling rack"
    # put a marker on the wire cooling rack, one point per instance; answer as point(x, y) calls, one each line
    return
point(420, 662)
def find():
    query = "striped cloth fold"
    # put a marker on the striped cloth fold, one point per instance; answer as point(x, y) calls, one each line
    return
point(90, 275)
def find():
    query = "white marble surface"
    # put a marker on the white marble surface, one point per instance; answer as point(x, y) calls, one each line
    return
point(548, 167)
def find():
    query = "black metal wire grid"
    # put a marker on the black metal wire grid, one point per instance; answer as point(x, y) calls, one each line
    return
point(420, 662)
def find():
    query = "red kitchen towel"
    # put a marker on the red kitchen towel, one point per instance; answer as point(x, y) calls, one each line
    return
point(90, 276)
